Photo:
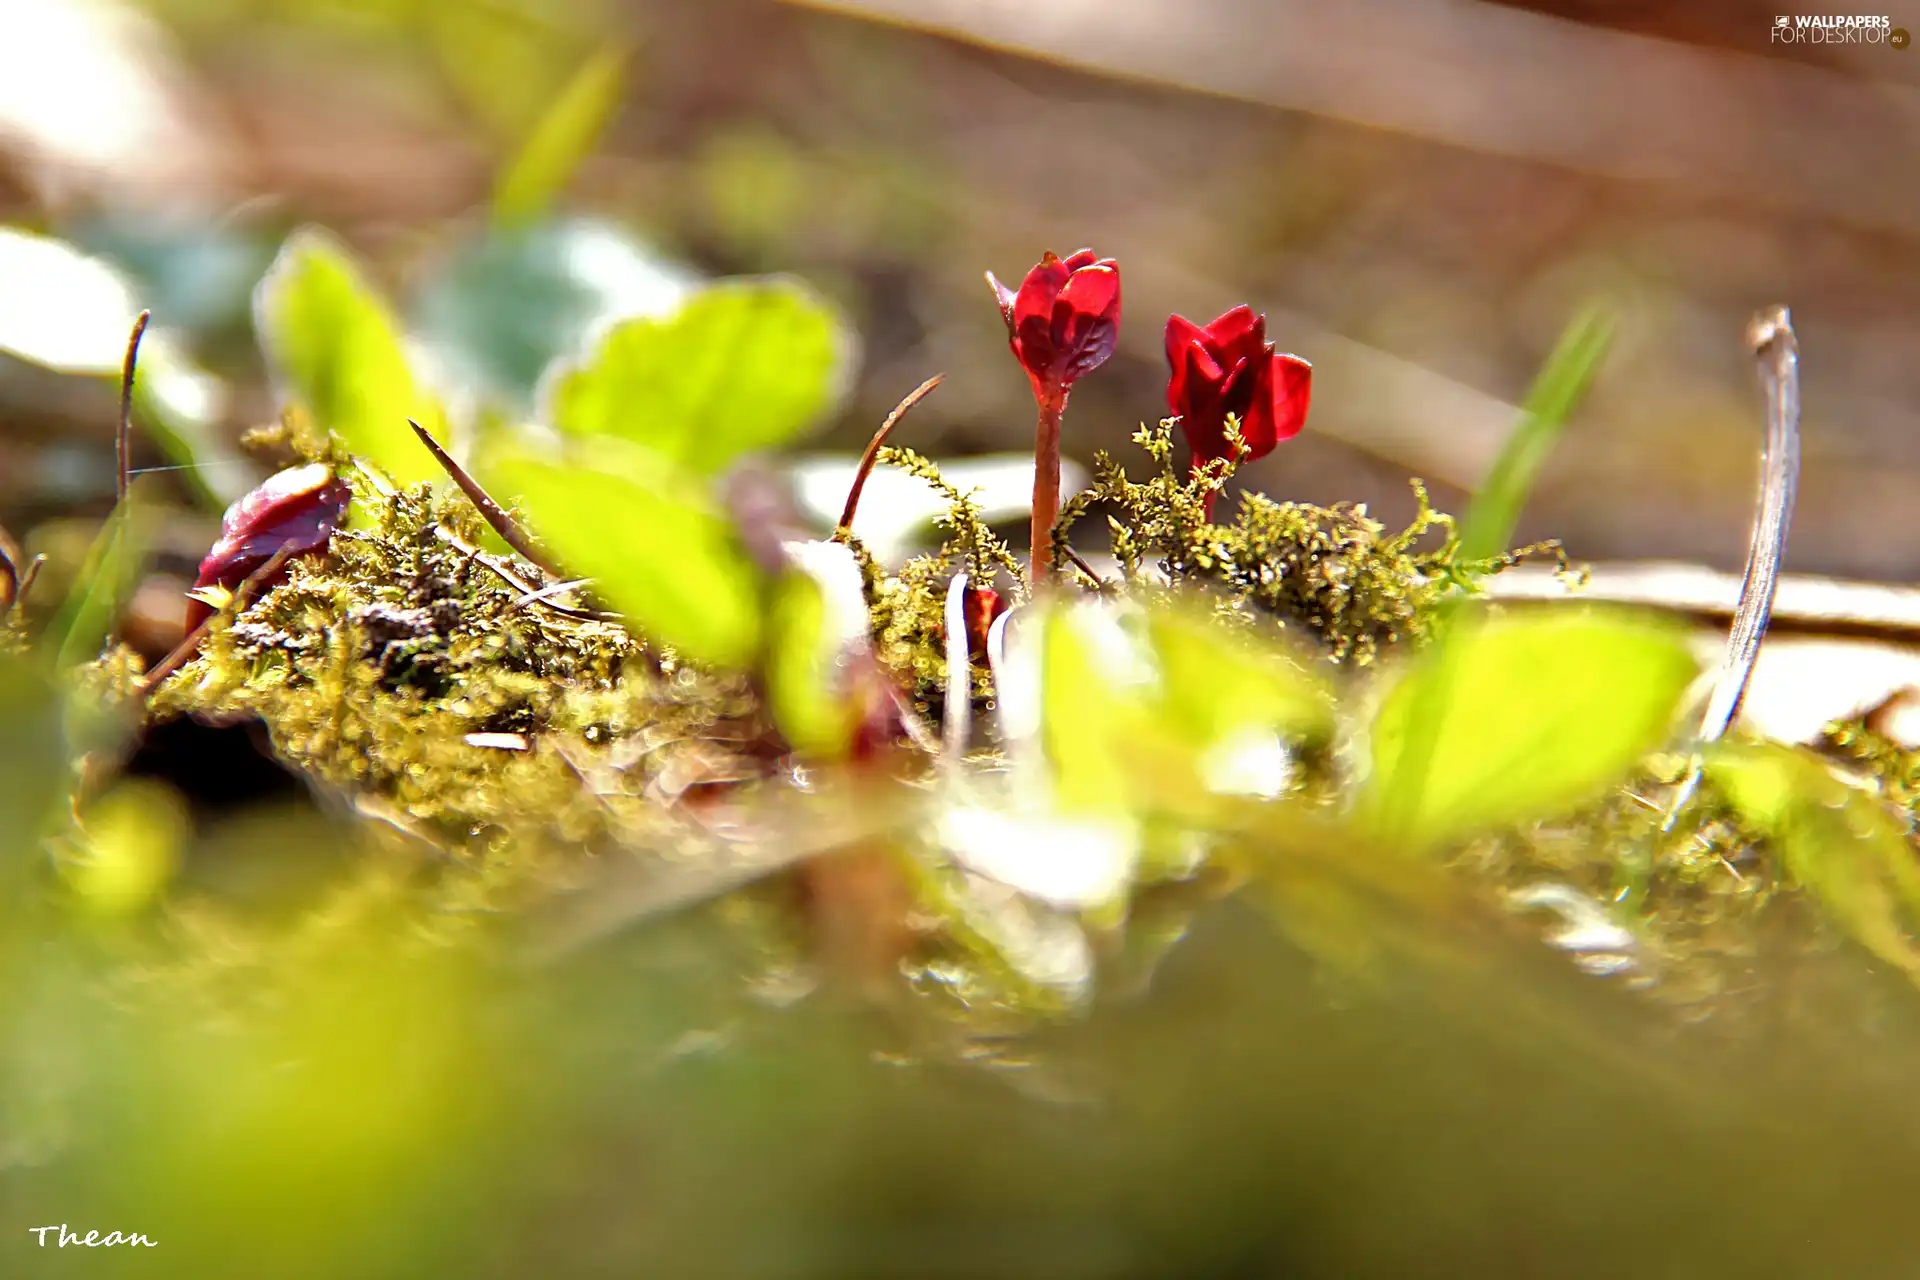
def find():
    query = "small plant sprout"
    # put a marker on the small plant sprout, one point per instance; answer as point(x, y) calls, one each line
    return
point(1062, 324)
point(1228, 369)
point(123, 437)
point(295, 511)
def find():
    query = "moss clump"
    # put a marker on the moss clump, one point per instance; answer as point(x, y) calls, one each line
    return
point(373, 667)
point(1330, 574)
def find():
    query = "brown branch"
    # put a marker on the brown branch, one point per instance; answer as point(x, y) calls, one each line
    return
point(872, 455)
point(123, 439)
point(492, 512)
point(242, 597)
point(27, 579)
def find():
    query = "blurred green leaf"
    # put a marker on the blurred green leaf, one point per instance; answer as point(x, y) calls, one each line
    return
point(666, 559)
point(1094, 682)
point(1524, 716)
point(107, 579)
point(134, 837)
point(564, 137)
point(1216, 685)
point(1168, 711)
point(33, 755)
point(803, 668)
point(338, 352)
point(1834, 840)
point(1559, 387)
point(744, 365)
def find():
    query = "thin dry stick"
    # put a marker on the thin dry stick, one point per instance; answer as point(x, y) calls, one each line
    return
point(492, 512)
point(872, 455)
point(242, 597)
point(123, 440)
point(1073, 556)
point(1774, 347)
point(27, 580)
point(528, 593)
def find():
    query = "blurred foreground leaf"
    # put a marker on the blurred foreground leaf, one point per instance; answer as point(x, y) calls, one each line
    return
point(338, 353)
point(1834, 840)
point(669, 561)
point(133, 840)
point(1524, 716)
point(1167, 711)
point(744, 365)
point(804, 670)
point(562, 138)
point(107, 579)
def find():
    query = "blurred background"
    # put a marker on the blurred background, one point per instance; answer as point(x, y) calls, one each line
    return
point(1421, 194)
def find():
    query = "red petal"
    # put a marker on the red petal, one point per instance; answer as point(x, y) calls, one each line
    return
point(1196, 388)
point(1237, 335)
point(1086, 319)
point(1004, 296)
point(1292, 380)
point(1080, 258)
point(1249, 394)
point(1181, 334)
point(1038, 290)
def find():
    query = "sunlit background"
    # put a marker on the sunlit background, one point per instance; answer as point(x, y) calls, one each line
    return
point(1421, 195)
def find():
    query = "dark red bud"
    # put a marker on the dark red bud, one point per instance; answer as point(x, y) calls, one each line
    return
point(980, 606)
point(295, 511)
point(1064, 320)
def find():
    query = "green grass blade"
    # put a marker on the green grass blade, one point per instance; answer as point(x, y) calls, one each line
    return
point(1560, 386)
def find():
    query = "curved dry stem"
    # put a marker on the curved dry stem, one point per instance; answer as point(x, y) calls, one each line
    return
point(1778, 354)
point(492, 512)
point(872, 455)
point(123, 437)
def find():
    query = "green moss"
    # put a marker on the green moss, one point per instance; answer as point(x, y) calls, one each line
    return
point(373, 666)
point(1331, 575)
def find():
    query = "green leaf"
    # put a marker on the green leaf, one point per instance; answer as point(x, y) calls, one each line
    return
point(107, 579)
point(1521, 717)
point(1167, 712)
point(338, 353)
point(803, 668)
point(744, 365)
point(1215, 686)
point(1832, 839)
point(564, 137)
point(670, 562)
point(1561, 385)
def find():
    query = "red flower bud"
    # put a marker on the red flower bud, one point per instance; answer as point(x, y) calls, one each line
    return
point(980, 606)
point(1229, 367)
point(1065, 319)
point(295, 511)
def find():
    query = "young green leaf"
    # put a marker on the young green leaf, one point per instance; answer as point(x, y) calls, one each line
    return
point(337, 352)
point(1523, 717)
point(1561, 385)
point(107, 579)
point(744, 365)
point(1170, 714)
point(665, 558)
point(1216, 687)
point(1834, 840)
point(562, 138)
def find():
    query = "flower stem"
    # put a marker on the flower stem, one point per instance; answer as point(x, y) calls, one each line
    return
point(1046, 482)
